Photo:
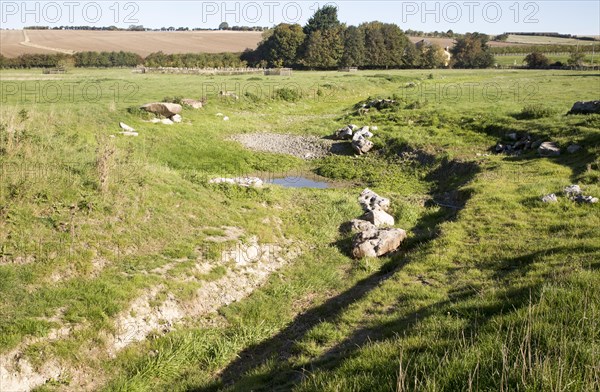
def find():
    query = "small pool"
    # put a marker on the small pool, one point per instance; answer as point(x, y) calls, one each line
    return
point(299, 182)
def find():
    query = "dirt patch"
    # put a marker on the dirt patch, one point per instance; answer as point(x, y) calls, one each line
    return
point(305, 147)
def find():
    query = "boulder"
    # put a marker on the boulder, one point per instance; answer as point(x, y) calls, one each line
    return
point(362, 133)
point(572, 190)
point(370, 201)
point(343, 133)
point(547, 149)
point(165, 109)
point(377, 243)
point(573, 148)
point(362, 146)
point(585, 199)
point(551, 198)
point(176, 118)
point(585, 107)
point(379, 218)
point(358, 225)
point(193, 103)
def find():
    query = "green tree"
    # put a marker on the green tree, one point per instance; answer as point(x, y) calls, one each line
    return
point(536, 60)
point(432, 56)
point(472, 51)
point(354, 47)
point(324, 48)
point(323, 19)
point(224, 26)
point(281, 46)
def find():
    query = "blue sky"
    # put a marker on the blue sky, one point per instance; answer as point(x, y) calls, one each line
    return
point(493, 17)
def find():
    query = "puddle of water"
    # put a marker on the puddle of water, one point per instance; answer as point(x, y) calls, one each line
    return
point(298, 182)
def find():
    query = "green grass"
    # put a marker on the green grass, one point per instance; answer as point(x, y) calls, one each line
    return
point(518, 60)
point(499, 293)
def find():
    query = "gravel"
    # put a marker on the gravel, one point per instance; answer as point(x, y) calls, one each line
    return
point(305, 147)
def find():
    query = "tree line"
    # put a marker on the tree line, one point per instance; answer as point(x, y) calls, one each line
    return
point(551, 48)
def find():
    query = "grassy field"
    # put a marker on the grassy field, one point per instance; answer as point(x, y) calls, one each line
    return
point(543, 40)
point(493, 291)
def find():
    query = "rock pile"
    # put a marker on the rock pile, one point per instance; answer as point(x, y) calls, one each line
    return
point(171, 112)
point(585, 107)
point(572, 192)
point(359, 136)
point(379, 104)
point(515, 144)
point(253, 182)
point(374, 235)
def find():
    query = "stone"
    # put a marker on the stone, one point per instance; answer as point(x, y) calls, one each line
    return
point(241, 181)
point(229, 94)
point(126, 127)
point(362, 133)
point(573, 148)
point(193, 103)
point(551, 198)
point(547, 149)
point(166, 121)
point(379, 218)
point(343, 133)
point(362, 145)
point(512, 136)
point(585, 107)
point(499, 148)
point(165, 109)
point(225, 118)
point(370, 201)
point(377, 243)
point(572, 190)
point(128, 133)
point(585, 199)
point(359, 225)
point(176, 118)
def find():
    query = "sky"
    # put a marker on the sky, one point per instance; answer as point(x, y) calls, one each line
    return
point(492, 17)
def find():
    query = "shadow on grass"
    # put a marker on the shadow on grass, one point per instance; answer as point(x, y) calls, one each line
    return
point(446, 177)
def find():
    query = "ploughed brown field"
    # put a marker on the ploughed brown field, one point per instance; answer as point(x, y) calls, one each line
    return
point(14, 42)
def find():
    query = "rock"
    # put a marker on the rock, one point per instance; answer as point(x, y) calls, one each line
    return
point(585, 107)
point(370, 201)
point(166, 121)
point(535, 145)
point(343, 133)
point(362, 146)
point(573, 148)
point(585, 199)
point(377, 243)
point(512, 136)
point(126, 127)
point(165, 109)
point(155, 120)
point(374, 128)
point(225, 118)
point(230, 94)
point(193, 103)
point(219, 114)
point(572, 190)
point(499, 148)
point(362, 133)
point(176, 118)
point(128, 133)
point(379, 218)
point(359, 225)
point(241, 181)
point(547, 149)
point(551, 198)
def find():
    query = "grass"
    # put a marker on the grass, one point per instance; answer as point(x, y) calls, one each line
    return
point(499, 292)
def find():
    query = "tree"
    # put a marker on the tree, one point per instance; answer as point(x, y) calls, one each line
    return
point(536, 60)
point(354, 47)
point(224, 26)
point(432, 56)
point(472, 51)
point(324, 48)
point(281, 45)
point(323, 19)
point(576, 59)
